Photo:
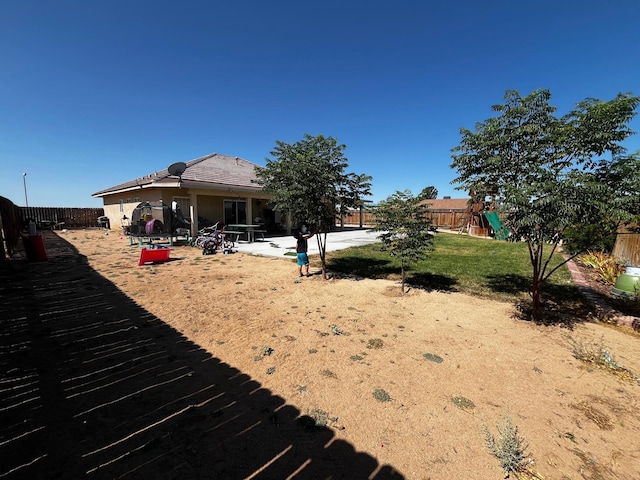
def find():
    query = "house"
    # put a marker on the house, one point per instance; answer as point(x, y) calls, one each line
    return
point(213, 188)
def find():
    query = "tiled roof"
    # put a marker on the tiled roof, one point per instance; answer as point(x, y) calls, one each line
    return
point(457, 204)
point(213, 171)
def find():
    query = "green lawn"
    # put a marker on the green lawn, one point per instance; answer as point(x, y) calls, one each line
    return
point(459, 263)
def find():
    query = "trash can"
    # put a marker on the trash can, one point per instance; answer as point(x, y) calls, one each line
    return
point(627, 284)
point(34, 247)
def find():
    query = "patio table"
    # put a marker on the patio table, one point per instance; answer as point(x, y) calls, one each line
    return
point(246, 228)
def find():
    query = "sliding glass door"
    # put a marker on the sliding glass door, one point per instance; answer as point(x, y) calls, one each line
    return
point(235, 211)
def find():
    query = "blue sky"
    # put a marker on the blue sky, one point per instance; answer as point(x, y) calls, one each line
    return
point(93, 94)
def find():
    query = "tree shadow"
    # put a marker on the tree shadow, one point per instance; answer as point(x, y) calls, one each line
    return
point(429, 282)
point(519, 284)
point(96, 386)
point(509, 283)
point(383, 269)
point(363, 267)
point(561, 304)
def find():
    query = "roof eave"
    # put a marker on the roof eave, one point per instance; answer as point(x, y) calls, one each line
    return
point(183, 184)
point(219, 186)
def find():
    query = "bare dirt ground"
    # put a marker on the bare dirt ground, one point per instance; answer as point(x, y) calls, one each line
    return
point(339, 378)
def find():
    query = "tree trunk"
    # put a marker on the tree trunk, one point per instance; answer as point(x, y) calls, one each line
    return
point(535, 297)
point(324, 268)
point(322, 249)
point(535, 255)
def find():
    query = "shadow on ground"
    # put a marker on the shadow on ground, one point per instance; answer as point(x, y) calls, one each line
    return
point(519, 284)
point(563, 304)
point(94, 386)
point(430, 281)
point(560, 301)
point(362, 267)
point(368, 268)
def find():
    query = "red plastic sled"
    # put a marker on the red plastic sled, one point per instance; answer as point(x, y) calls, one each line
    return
point(153, 255)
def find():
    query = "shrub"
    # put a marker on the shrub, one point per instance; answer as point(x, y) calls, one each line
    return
point(433, 357)
point(321, 418)
point(508, 447)
point(336, 330)
point(607, 268)
point(266, 351)
point(463, 404)
point(601, 236)
point(597, 354)
point(381, 395)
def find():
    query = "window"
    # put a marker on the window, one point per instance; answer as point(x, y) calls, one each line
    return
point(235, 211)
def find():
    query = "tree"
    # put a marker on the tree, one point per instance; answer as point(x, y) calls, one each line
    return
point(350, 194)
point(546, 172)
point(429, 193)
point(308, 179)
point(402, 219)
point(619, 176)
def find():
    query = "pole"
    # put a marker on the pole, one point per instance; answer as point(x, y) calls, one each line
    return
point(24, 180)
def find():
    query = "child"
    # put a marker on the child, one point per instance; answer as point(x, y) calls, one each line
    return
point(301, 249)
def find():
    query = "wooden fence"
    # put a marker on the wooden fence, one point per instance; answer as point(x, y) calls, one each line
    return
point(10, 227)
point(353, 218)
point(627, 247)
point(444, 219)
point(449, 219)
point(61, 217)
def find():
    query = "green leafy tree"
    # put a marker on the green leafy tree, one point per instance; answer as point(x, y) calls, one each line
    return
point(621, 177)
point(546, 171)
point(403, 221)
point(429, 193)
point(599, 236)
point(308, 178)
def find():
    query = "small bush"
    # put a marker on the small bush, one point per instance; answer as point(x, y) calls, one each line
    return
point(375, 343)
point(601, 236)
point(433, 357)
point(266, 351)
point(508, 447)
point(335, 330)
point(321, 418)
point(380, 395)
point(607, 268)
point(598, 355)
point(328, 373)
point(589, 352)
point(463, 403)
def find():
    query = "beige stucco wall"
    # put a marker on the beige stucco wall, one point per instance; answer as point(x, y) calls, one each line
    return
point(208, 203)
point(211, 208)
point(119, 205)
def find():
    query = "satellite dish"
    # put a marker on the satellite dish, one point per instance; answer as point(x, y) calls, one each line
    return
point(177, 169)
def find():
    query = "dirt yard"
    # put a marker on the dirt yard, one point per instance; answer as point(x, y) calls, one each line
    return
point(368, 384)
